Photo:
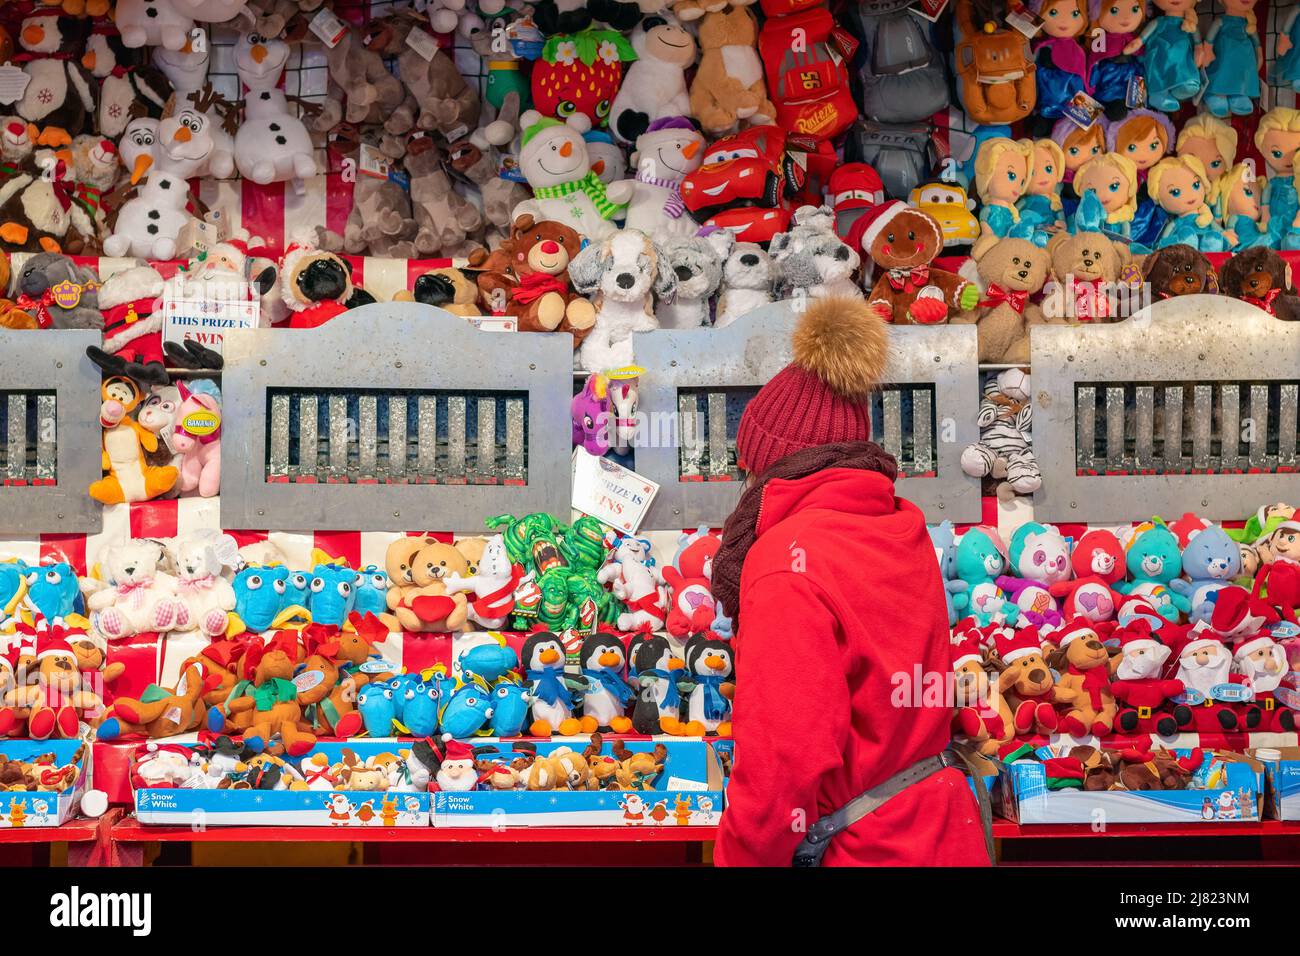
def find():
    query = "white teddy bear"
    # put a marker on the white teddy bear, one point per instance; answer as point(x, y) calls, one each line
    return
point(198, 560)
point(139, 596)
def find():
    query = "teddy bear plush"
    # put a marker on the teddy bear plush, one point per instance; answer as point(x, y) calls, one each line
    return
point(532, 269)
point(1263, 278)
point(1087, 274)
point(35, 285)
point(1013, 270)
point(902, 242)
point(137, 596)
point(198, 560)
point(728, 87)
point(1179, 270)
point(417, 597)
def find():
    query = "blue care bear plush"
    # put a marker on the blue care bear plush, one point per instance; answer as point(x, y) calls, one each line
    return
point(1211, 561)
point(981, 559)
point(1154, 560)
point(945, 550)
point(1040, 557)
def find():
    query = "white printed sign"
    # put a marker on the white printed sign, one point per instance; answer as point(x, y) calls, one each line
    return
point(206, 319)
point(609, 492)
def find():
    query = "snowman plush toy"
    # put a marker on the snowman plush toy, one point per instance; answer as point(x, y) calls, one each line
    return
point(272, 145)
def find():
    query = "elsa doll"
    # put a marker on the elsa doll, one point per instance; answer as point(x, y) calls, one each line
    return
point(1180, 187)
point(1237, 196)
point(1172, 54)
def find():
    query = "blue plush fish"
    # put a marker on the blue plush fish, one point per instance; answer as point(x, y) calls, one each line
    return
point(333, 594)
point(420, 713)
point(375, 704)
point(491, 662)
point(399, 685)
point(13, 587)
point(509, 709)
point(467, 713)
point(52, 589)
point(259, 598)
point(372, 591)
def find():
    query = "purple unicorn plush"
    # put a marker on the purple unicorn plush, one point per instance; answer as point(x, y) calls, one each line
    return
point(590, 412)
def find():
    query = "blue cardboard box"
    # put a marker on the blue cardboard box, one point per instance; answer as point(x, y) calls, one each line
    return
point(1282, 772)
point(44, 808)
point(689, 792)
point(1233, 796)
point(175, 806)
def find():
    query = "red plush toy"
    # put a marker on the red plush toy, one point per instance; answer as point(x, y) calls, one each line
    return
point(1211, 690)
point(1262, 663)
point(693, 608)
point(1139, 687)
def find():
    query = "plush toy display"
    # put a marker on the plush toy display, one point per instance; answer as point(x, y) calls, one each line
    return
point(57, 292)
point(130, 476)
point(1261, 277)
point(749, 277)
point(197, 437)
point(1013, 271)
point(654, 86)
point(317, 286)
point(1178, 270)
point(667, 152)
point(531, 270)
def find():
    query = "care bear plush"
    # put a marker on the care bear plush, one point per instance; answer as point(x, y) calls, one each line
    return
point(1087, 269)
point(1211, 561)
point(902, 242)
point(554, 160)
point(138, 596)
point(1013, 271)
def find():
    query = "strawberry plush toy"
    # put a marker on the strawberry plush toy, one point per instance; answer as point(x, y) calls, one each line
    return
point(580, 73)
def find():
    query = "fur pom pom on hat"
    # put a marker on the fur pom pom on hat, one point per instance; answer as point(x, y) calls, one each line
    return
point(841, 349)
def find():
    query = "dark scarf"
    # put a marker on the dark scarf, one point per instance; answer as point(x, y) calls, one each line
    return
point(741, 529)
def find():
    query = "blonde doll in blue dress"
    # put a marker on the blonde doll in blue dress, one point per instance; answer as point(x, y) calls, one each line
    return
point(1040, 207)
point(1214, 143)
point(1002, 169)
point(1180, 186)
point(1172, 54)
point(1237, 197)
point(1112, 179)
point(1277, 137)
point(1232, 76)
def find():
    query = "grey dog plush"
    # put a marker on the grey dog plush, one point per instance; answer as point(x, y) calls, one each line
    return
point(698, 268)
point(44, 271)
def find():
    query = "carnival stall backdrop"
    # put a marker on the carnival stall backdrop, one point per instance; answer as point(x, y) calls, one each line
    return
point(311, 275)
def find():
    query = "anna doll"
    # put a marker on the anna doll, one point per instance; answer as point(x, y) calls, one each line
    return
point(1062, 63)
point(1110, 70)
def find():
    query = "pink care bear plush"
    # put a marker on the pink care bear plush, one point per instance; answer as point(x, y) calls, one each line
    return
point(197, 438)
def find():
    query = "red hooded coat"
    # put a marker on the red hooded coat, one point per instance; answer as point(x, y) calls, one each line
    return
point(841, 594)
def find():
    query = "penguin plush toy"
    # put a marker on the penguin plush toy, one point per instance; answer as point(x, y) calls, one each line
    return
point(656, 671)
point(604, 702)
point(709, 670)
point(551, 689)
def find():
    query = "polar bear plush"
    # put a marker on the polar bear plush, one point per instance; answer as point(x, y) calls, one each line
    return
point(554, 159)
point(139, 596)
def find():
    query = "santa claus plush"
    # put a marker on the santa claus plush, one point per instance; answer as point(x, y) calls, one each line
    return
point(1262, 664)
point(1138, 685)
point(1211, 690)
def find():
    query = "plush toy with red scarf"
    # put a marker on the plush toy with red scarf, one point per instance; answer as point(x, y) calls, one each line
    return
point(1084, 689)
point(492, 585)
point(1263, 278)
point(1013, 271)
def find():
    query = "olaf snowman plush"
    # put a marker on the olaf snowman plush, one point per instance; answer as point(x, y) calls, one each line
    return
point(149, 223)
point(153, 23)
point(186, 146)
point(554, 159)
point(187, 71)
point(272, 145)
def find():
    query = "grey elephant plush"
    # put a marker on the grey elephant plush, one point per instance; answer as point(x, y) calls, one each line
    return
point(42, 279)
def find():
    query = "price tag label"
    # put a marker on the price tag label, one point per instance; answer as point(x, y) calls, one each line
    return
point(328, 27)
point(422, 43)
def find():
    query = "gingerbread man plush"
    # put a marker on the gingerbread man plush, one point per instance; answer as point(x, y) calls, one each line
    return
point(903, 243)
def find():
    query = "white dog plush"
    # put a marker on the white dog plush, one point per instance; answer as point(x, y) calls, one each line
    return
point(748, 278)
point(621, 275)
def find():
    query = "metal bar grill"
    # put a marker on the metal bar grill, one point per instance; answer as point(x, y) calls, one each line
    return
point(1202, 429)
point(407, 438)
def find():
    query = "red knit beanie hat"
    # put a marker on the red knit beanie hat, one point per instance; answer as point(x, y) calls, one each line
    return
point(821, 398)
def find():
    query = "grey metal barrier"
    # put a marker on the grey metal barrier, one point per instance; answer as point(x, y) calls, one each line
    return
point(697, 382)
point(49, 433)
point(391, 417)
point(1190, 405)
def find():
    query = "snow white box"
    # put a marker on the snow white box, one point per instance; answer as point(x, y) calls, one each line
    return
point(1226, 787)
point(62, 764)
point(192, 801)
point(685, 780)
point(1282, 771)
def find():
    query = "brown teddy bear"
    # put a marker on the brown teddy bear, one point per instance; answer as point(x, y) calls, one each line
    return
point(530, 271)
point(1013, 271)
point(1263, 278)
point(902, 242)
point(418, 598)
point(1084, 687)
point(455, 290)
point(1088, 272)
point(1179, 270)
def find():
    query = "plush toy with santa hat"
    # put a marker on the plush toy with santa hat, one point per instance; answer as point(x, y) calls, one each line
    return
point(456, 770)
point(983, 716)
point(1211, 690)
point(1032, 693)
point(133, 322)
point(1084, 685)
point(902, 242)
point(1139, 687)
point(317, 285)
point(57, 700)
point(1262, 664)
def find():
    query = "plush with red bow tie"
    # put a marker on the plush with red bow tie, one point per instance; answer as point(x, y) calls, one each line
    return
point(1263, 278)
point(902, 242)
point(1013, 272)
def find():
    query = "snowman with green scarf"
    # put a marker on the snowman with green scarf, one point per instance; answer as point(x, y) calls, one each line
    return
point(554, 159)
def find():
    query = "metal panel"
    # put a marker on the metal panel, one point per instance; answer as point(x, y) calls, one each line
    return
point(384, 349)
point(1201, 354)
point(689, 368)
point(52, 409)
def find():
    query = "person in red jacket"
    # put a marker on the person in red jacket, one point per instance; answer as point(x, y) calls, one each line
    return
point(839, 607)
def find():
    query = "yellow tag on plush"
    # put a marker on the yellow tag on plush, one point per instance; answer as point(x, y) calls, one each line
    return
point(201, 422)
point(626, 372)
point(66, 294)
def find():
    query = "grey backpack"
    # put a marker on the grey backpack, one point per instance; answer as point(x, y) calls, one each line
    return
point(898, 73)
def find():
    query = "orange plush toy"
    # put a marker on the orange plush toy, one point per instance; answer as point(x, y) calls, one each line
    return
point(11, 317)
point(159, 711)
point(265, 702)
point(327, 691)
